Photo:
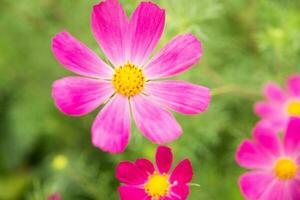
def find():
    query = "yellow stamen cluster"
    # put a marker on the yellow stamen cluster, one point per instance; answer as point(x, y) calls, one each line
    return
point(285, 169)
point(293, 108)
point(157, 186)
point(128, 80)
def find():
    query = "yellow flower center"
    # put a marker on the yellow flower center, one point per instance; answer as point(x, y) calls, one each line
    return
point(128, 80)
point(286, 169)
point(293, 108)
point(157, 186)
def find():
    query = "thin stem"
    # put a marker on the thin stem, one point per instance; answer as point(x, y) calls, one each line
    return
point(194, 184)
point(235, 89)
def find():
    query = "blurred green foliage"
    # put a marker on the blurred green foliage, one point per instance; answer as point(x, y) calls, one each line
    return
point(246, 43)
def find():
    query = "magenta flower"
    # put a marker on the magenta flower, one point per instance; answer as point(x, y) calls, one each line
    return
point(280, 105)
point(133, 82)
point(275, 165)
point(55, 196)
point(142, 181)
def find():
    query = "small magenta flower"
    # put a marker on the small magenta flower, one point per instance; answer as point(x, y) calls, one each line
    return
point(132, 83)
point(275, 164)
point(141, 180)
point(55, 196)
point(280, 105)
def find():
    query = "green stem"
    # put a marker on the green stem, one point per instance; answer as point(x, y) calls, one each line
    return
point(236, 90)
point(194, 184)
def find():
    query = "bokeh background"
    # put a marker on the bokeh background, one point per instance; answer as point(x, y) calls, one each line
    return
point(42, 151)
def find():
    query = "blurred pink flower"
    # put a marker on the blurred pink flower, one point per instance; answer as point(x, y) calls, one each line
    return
point(280, 105)
point(133, 83)
point(275, 164)
point(55, 196)
point(141, 180)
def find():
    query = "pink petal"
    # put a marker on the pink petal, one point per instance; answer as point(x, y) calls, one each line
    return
point(177, 56)
point(298, 160)
point(179, 192)
point(109, 25)
point(145, 165)
point(180, 96)
point(295, 189)
point(272, 114)
point(111, 128)
point(164, 159)
point(78, 96)
point(167, 198)
point(157, 124)
point(254, 184)
point(265, 109)
point(146, 26)
point(277, 191)
point(267, 139)
point(278, 124)
point(129, 173)
point(294, 85)
point(292, 136)
point(132, 193)
point(250, 156)
point(274, 93)
point(183, 172)
point(76, 57)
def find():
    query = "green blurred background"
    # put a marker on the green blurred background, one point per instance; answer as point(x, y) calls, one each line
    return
point(42, 151)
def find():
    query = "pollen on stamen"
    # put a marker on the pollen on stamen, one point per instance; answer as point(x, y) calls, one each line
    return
point(285, 169)
point(128, 80)
point(157, 186)
point(293, 108)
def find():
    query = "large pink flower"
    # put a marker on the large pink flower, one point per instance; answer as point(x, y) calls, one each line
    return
point(275, 165)
point(142, 181)
point(132, 83)
point(280, 105)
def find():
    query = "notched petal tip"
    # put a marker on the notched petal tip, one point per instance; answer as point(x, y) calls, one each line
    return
point(56, 40)
point(177, 56)
point(199, 45)
point(60, 40)
point(129, 173)
point(152, 5)
point(110, 146)
point(164, 159)
point(77, 57)
point(183, 172)
point(103, 2)
point(109, 25)
point(145, 29)
point(206, 99)
point(115, 150)
point(163, 148)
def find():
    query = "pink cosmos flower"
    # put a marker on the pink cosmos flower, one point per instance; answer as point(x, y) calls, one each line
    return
point(142, 181)
point(132, 83)
point(275, 164)
point(280, 105)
